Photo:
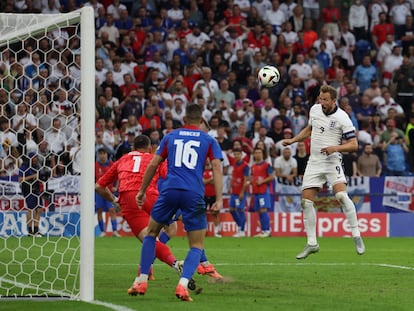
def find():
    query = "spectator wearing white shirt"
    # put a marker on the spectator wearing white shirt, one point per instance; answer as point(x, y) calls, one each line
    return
point(391, 64)
point(287, 7)
point(56, 140)
point(275, 16)
point(224, 94)
point(286, 166)
point(398, 14)
point(118, 72)
point(290, 35)
point(110, 30)
point(59, 105)
point(175, 13)
point(358, 20)
point(269, 143)
point(197, 38)
point(208, 86)
point(385, 49)
point(96, 5)
point(345, 41)
point(157, 63)
point(244, 6)
point(115, 9)
point(304, 71)
point(100, 71)
point(330, 45)
point(51, 7)
point(262, 6)
point(376, 7)
point(364, 136)
point(311, 9)
point(385, 103)
point(178, 111)
point(23, 119)
point(171, 45)
point(269, 111)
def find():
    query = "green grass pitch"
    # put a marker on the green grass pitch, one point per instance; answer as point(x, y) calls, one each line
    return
point(262, 274)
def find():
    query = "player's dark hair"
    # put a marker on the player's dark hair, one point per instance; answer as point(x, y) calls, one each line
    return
point(329, 89)
point(193, 113)
point(263, 150)
point(141, 142)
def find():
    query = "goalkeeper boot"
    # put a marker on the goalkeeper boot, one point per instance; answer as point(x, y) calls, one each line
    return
point(138, 289)
point(208, 270)
point(359, 245)
point(309, 249)
point(182, 293)
point(178, 266)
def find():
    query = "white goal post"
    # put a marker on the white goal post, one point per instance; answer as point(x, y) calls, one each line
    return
point(73, 279)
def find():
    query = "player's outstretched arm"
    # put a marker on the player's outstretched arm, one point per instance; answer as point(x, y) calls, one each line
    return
point(305, 133)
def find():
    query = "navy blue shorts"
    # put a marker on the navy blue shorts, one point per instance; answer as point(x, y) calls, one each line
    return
point(191, 204)
point(236, 203)
point(101, 203)
point(262, 201)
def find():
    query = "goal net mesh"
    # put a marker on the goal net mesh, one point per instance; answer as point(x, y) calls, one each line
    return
point(40, 78)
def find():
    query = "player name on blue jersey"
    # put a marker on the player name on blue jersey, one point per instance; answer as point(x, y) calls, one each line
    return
point(189, 133)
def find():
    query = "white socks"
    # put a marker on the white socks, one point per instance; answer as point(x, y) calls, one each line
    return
point(309, 221)
point(348, 208)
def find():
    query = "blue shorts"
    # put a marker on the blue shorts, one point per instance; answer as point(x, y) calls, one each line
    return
point(235, 202)
point(261, 201)
point(191, 204)
point(101, 203)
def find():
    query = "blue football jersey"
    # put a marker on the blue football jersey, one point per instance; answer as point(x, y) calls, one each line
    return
point(186, 150)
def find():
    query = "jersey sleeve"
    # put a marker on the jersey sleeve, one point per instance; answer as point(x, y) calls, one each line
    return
point(269, 169)
point(215, 151)
point(246, 171)
point(162, 150)
point(109, 177)
point(348, 129)
point(312, 114)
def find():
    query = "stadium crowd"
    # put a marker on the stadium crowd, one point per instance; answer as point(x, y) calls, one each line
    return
point(154, 57)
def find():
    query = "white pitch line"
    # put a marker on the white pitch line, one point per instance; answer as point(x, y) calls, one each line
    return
point(293, 264)
point(110, 305)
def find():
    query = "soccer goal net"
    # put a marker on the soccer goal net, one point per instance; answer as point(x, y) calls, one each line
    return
point(46, 185)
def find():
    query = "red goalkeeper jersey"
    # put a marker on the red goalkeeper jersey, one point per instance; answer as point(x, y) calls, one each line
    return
point(129, 171)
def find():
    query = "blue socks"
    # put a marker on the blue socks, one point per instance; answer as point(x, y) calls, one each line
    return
point(191, 262)
point(265, 221)
point(147, 254)
point(101, 225)
point(242, 219)
point(235, 214)
point(114, 225)
point(164, 238)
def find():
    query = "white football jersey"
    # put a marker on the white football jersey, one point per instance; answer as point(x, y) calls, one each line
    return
point(328, 130)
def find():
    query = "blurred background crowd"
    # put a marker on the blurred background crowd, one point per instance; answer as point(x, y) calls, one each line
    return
point(154, 57)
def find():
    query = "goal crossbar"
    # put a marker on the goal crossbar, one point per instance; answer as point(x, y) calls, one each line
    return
point(17, 27)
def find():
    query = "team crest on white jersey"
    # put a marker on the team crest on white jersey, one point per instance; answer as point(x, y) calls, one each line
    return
point(332, 124)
